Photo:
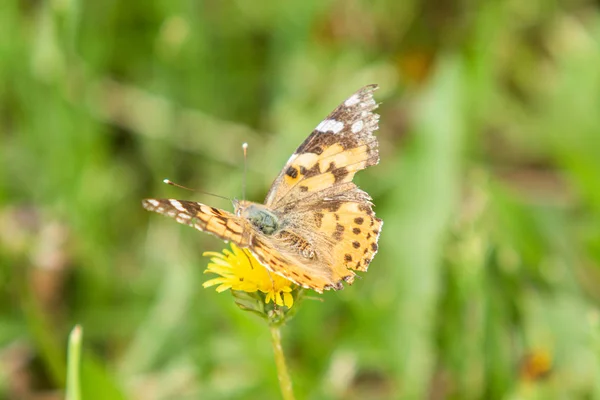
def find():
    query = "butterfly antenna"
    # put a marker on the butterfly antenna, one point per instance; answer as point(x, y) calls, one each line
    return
point(168, 182)
point(245, 150)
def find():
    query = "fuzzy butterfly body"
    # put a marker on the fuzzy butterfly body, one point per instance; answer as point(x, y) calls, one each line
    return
point(316, 227)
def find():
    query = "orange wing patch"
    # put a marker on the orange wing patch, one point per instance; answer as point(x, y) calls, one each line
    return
point(334, 166)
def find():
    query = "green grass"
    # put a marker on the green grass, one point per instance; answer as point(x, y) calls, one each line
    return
point(489, 186)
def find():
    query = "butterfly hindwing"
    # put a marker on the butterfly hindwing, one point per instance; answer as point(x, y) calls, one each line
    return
point(354, 231)
point(336, 233)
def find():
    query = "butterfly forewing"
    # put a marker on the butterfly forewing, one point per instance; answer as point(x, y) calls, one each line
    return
point(218, 222)
point(338, 147)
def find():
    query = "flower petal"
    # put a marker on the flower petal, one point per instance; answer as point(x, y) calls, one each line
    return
point(212, 282)
point(223, 287)
point(239, 270)
point(288, 299)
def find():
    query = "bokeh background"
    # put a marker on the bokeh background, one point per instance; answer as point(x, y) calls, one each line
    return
point(487, 282)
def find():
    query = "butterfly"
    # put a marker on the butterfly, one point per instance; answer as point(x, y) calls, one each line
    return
point(315, 227)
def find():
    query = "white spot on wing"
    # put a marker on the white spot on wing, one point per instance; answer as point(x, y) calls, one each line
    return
point(352, 100)
point(153, 202)
point(330, 125)
point(183, 218)
point(337, 127)
point(177, 205)
point(357, 126)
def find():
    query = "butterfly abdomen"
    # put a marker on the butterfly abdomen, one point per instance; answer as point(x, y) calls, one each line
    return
point(297, 244)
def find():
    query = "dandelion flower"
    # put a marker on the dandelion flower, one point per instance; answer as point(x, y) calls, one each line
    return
point(239, 270)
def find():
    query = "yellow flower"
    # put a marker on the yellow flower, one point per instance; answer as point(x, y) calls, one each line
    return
point(239, 270)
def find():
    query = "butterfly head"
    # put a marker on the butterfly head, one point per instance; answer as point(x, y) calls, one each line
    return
point(258, 215)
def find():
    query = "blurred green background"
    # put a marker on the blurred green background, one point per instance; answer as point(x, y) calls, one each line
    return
point(487, 282)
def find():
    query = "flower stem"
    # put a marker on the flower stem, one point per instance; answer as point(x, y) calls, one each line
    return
point(74, 361)
point(285, 383)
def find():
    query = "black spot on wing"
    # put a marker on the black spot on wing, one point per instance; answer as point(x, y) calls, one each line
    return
point(340, 174)
point(216, 211)
point(339, 232)
point(331, 205)
point(366, 209)
point(292, 172)
point(312, 171)
point(319, 219)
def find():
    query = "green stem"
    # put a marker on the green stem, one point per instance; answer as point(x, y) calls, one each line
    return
point(73, 364)
point(285, 383)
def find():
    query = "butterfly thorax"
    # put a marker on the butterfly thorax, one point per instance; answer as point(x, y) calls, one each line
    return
point(258, 215)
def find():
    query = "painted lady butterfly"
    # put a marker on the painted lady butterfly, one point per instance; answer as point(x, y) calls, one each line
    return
point(316, 227)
